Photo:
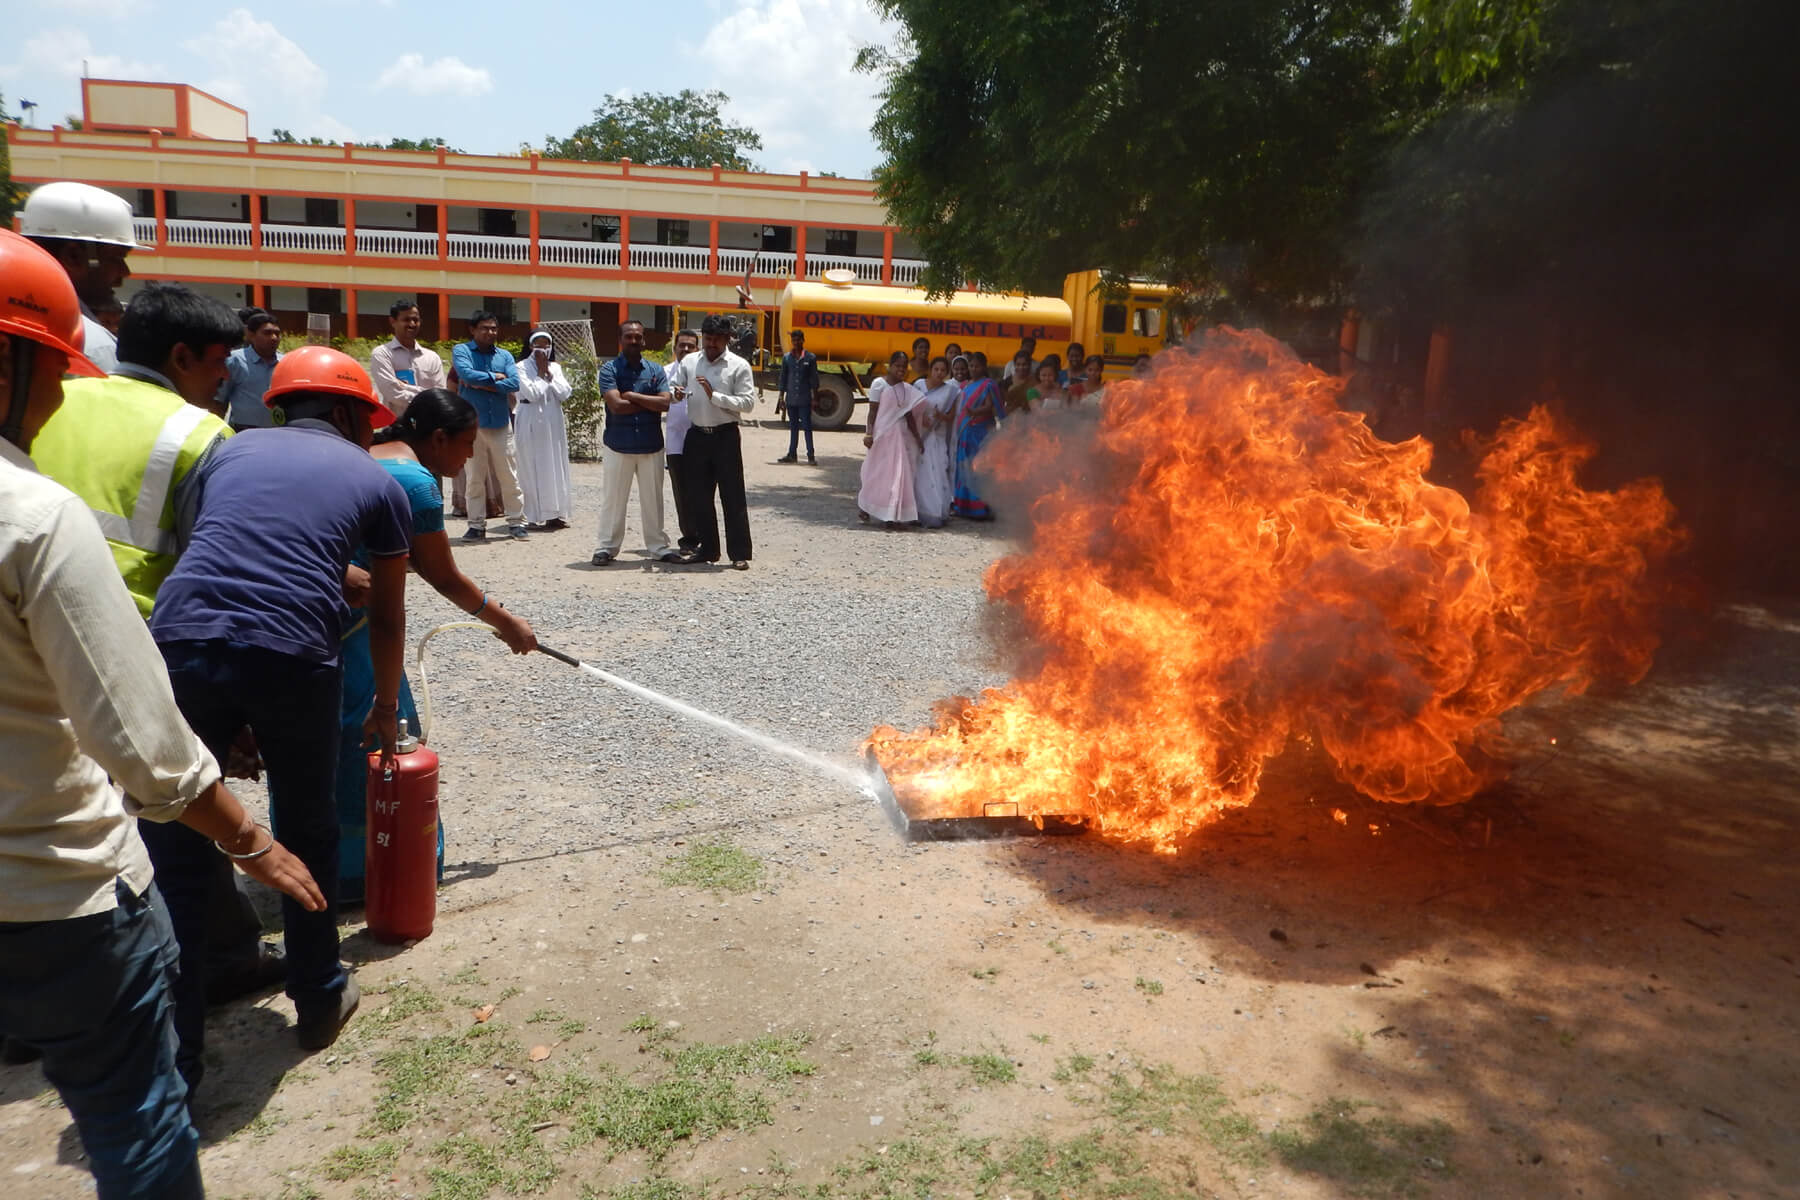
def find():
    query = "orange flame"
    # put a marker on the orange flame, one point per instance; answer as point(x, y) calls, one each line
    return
point(1227, 560)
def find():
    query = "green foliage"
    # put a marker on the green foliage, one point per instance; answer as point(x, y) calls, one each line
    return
point(687, 129)
point(360, 1161)
point(10, 195)
point(585, 405)
point(1214, 144)
point(420, 144)
point(1461, 44)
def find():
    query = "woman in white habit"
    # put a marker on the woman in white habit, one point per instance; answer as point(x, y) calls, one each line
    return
point(542, 435)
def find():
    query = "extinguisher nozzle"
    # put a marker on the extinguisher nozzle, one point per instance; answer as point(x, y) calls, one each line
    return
point(559, 656)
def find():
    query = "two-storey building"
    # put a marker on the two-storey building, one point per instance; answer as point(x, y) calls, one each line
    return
point(342, 231)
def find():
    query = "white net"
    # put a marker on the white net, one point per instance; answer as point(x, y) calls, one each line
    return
point(574, 343)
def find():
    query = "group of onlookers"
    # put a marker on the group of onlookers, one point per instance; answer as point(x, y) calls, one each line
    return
point(930, 417)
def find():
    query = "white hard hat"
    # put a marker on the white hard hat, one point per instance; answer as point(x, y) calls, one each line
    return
point(79, 213)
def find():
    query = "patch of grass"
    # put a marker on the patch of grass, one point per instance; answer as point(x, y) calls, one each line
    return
point(1150, 987)
point(675, 806)
point(1163, 1098)
point(642, 1023)
point(909, 1167)
point(989, 1068)
point(1057, 946)
point(406, 1000)
point(467, 977)
point(1358, 1038)
point(647, 1189)
point(703, 1092)
point(299, 1189)
point(717, 864)
point(1376, 1156)
point(1042, 1039)
point(984, 972)
point(518, 1165)
point(927, 1058)
point(416, 1071)
point(360, 1161)
point(507, 994)
point(569, 1027)
point(1076, 1066)
point(1089, 1165)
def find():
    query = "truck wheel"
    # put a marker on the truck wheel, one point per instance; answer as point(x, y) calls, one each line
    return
point(833, 405)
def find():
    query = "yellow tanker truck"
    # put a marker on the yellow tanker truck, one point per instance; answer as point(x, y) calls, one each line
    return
point(854, 328)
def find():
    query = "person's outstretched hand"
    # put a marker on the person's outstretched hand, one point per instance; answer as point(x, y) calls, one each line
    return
point(283, 871)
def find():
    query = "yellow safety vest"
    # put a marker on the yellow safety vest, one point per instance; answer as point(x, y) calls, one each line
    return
point(122, 445)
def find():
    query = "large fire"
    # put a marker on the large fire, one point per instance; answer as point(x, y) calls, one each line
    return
point(1227, 560)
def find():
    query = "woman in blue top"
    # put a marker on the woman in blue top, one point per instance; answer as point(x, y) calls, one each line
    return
point(433, 439)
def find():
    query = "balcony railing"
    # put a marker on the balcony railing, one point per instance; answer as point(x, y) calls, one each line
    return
point(489, 248)
point(770, 264)
point(867, 270)
point(484, 247)
point(210, 234)
point(394, 243)
point(695, 260)
point(306, 239)
point(559, 252)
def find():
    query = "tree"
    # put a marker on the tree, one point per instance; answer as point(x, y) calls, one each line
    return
point(9, 193)
point(420, 144)
point(1220, 145)
point(687, 129)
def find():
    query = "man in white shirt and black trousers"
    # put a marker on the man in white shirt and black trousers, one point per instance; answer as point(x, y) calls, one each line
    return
point(719, 389)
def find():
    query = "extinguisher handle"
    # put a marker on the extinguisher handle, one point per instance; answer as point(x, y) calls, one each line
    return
point(558, 655)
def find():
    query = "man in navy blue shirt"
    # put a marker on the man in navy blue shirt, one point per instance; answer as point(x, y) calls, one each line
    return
point(249, 624)
point(637, 396)
point(799, 380)
point(490, 381)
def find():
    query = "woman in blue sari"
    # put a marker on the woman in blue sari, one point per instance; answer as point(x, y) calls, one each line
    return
point(433, 439)
point(977, 416)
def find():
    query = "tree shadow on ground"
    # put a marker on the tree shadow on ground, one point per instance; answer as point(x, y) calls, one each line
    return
point(1591, 969)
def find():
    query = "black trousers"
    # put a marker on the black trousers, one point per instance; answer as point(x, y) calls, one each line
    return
point(713, 461)
point(678, 484)
point(799, 418)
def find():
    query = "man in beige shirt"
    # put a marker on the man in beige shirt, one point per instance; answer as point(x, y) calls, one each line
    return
point(400, 366)
point(86, 950)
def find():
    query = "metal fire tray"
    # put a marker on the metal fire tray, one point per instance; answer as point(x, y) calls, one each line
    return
point(998, 820)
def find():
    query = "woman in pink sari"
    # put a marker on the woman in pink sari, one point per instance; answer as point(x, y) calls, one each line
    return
point(888, 469)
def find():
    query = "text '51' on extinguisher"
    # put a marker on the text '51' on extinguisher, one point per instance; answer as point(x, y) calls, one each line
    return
point(401, 870)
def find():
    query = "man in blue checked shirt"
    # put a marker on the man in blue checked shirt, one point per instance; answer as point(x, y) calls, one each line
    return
point(490, 381)
point(799, 380)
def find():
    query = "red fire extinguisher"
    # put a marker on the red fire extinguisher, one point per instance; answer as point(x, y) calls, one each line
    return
point(402, 850)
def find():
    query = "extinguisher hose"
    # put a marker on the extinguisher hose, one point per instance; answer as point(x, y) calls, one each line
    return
point(424, 696)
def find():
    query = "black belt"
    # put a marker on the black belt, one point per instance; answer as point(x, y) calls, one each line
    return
point(712, 428)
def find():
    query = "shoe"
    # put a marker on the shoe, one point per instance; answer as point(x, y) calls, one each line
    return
point(601, 558)
point(740, 564)
point(475, 535)
point(556, 523)
point(461, 514)
point(267, 969)
point(519, 533)
point(811, 461)
point(15, 1053)
point(317, 1030)
point(787, 458)
point(673, 556)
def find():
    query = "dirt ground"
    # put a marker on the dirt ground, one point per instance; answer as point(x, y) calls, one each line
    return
point(1585, 983)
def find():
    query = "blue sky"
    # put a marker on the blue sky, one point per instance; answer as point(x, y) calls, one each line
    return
point(483, 76)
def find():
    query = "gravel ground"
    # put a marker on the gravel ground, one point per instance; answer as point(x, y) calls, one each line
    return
point(836, 628)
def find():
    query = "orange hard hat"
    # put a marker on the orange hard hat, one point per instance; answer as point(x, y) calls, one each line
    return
point(322, 369)
point(38, 302)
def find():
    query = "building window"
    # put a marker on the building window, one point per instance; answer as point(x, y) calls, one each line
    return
point(841, 242)
point(671, 233)
point(606, 229)
point(778, 239)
